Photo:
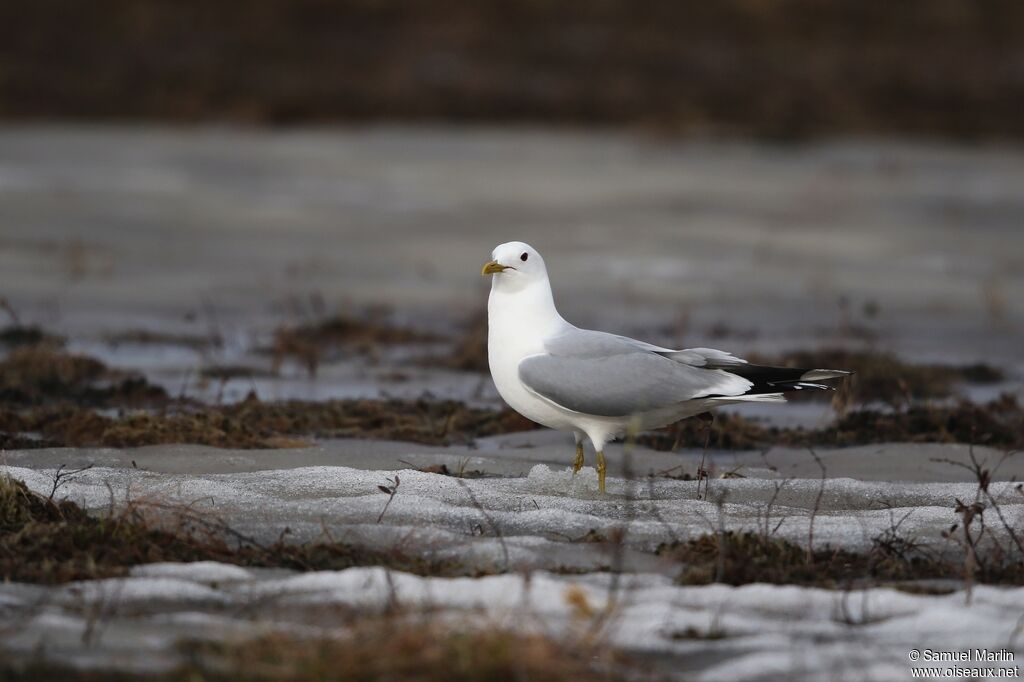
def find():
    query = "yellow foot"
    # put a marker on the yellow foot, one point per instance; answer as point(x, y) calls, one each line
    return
point(600, 471)
point(578, 462)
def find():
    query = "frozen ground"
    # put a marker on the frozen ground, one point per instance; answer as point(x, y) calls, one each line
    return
point(530, 513)
point(716, 632)
point(529, 516)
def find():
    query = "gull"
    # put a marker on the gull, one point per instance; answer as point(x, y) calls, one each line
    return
point(600, 386)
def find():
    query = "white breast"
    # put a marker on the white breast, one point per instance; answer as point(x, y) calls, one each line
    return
point(516, 328)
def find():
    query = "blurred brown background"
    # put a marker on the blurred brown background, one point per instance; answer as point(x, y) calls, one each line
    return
point(777, 68)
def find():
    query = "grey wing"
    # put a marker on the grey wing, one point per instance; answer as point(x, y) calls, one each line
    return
point(615, 376)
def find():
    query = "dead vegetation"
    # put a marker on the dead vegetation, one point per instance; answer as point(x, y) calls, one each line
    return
point(49, 397)
point(255, 424)
point(146, 337)
point(41, 374)
point(739, 558)
point(999, 423)
point(973, 550)
point(407, 647)
point(17, 335)
point(46, 540)
point(882, 377)
point(469, 352)
point(309, 343)
point(43, 540)
point(397, 649)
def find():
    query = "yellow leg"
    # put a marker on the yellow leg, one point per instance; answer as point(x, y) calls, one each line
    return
point(578, 462)
point(600, 470)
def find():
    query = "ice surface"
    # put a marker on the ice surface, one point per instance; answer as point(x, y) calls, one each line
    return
point(197, 571)
point(528, 515)
point(531, 512)
point(760, 632)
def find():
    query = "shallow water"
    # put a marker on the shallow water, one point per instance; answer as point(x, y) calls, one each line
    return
point(743, 246)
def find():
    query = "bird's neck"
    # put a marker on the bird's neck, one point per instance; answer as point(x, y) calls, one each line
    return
point(528, 308)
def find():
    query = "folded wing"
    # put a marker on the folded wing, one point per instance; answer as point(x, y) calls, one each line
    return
point(615, 376)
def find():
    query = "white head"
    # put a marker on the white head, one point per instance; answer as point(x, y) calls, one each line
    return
point(515, 266)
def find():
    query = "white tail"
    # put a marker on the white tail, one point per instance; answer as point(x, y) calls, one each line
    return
point(819, 374)
point(755, 398)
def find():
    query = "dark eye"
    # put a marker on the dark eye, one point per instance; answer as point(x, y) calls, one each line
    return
point(524, 256)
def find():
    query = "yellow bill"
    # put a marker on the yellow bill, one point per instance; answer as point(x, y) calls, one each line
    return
point(493, 268)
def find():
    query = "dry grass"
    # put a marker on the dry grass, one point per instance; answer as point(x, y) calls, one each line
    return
point(469, 353)
point(45, 391)
point(309, 343)
point(740, 558)
point(17, 335)
point(48, 396)
point(395, 648)
point(45, 541)
point(999, 423)
point(255, 424)
point(146, 337)
point(416, 651)
point(42, 374)
point(882, 377)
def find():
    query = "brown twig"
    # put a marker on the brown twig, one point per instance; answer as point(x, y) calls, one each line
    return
point(817, 505)
point(63, 475)
point(389, 490)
